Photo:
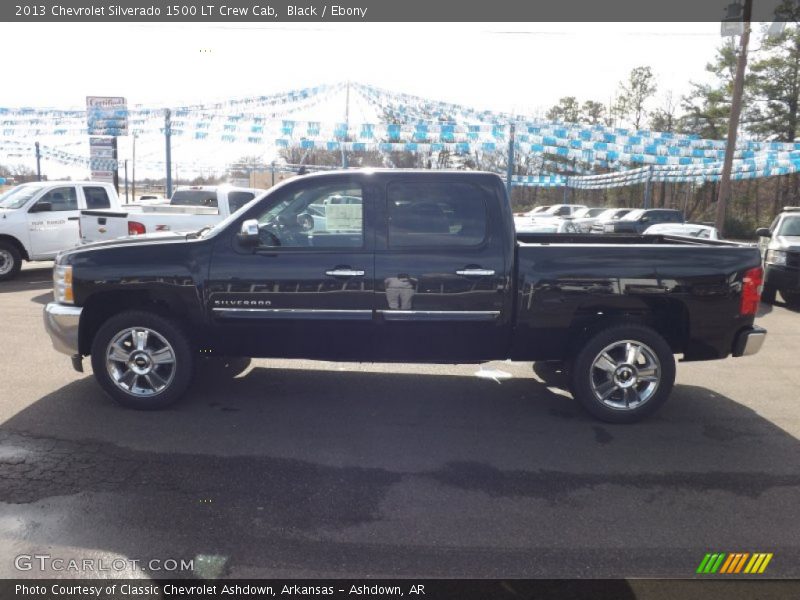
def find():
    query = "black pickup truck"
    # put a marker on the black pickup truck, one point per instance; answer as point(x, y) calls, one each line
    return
point(416, 266)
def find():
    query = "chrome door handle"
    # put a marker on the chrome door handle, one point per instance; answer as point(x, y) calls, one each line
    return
point(344, 273)
point(476, 272)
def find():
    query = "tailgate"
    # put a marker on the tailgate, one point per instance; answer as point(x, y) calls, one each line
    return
point(102, 225)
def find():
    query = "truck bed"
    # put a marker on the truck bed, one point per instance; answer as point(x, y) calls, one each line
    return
point(620, 238)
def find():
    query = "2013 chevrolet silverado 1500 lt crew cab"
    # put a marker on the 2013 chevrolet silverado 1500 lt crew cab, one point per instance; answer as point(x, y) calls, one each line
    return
point(426, 268)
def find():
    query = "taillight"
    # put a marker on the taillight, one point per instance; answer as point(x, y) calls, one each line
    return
point(751, 291)
point(136, 228)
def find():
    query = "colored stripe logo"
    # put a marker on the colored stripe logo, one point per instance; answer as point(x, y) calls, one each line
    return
point(734, 563)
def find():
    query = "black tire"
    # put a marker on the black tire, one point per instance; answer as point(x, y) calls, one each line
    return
point(161, 329)
point(791, 297)
point(9, 253)
point(588, 378)
point(768, 294)
point(224, 366)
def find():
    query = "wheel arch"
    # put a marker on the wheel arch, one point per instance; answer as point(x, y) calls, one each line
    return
point(667, 317)
point(101, 306)
point(4, 237)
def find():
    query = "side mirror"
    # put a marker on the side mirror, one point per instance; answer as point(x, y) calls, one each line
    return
point(763, 232)
point(645, 219)
point(42, 206)
point(248, 235)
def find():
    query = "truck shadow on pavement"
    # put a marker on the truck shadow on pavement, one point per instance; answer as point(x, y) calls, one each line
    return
point(283, 471)
point(37, 278)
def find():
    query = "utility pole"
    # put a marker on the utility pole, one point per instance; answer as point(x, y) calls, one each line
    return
point(733, 124)
point(346, 124)
point(510, 168)
point(648, 187)
point(126, 181)
point(38, 163)
point(167, 138)
point(133, 171)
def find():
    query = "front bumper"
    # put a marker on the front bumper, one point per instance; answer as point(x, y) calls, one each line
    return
point(782, 278)
point(749, 341)
point(62, 323)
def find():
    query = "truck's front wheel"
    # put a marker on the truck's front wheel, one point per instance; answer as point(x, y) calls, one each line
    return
point(792, 297)
point(142, 360)
point(623, 373)
point(10, 261)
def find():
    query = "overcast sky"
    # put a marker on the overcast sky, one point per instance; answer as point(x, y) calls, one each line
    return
point(513, 66)
point(519, 67)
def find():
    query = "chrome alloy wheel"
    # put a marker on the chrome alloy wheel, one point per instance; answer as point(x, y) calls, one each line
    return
point(140, 361)
point(625, 375)
point(6, 261)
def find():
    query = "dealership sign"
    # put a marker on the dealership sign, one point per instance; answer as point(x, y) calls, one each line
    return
point(107, 115)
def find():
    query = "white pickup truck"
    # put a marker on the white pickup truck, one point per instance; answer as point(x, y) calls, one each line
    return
point(38, 220)
point(190, 208)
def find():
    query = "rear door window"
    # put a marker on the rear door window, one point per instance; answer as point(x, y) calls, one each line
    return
point(436, 214)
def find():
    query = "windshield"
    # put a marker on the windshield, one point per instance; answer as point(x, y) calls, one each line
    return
point(607, 215)
point(19, 196)
point(588, 213)
point(634, 215)
point(790, 226)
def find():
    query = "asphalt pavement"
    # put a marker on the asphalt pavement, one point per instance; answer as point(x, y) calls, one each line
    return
point(317, 469)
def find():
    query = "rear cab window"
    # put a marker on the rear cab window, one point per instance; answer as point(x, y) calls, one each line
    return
point(194, 198)
point(96, 197)
point(237, 200)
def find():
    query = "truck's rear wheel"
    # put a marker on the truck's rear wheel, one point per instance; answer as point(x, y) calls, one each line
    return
point(142, 360)
point(623, 373)
point(10, 261)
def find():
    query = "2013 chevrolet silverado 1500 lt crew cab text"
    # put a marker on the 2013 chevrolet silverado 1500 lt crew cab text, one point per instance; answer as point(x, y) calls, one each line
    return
point(426, 267)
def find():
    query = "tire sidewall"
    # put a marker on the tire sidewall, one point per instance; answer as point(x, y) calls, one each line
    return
point(582, 369)
point(16, 257)
point(171, 331)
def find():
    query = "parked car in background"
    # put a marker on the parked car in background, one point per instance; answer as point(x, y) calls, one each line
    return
point(780, 249)
point(191, 208)
point(559, 210)
point(705, 232)
point(534, 211)
point(584, 218)
point(40, 219)
point(640, 219)
point(549, 226)
point(609, 215)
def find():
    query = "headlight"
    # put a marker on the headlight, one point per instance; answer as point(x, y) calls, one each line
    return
point(776, 257)
point(62, 284)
